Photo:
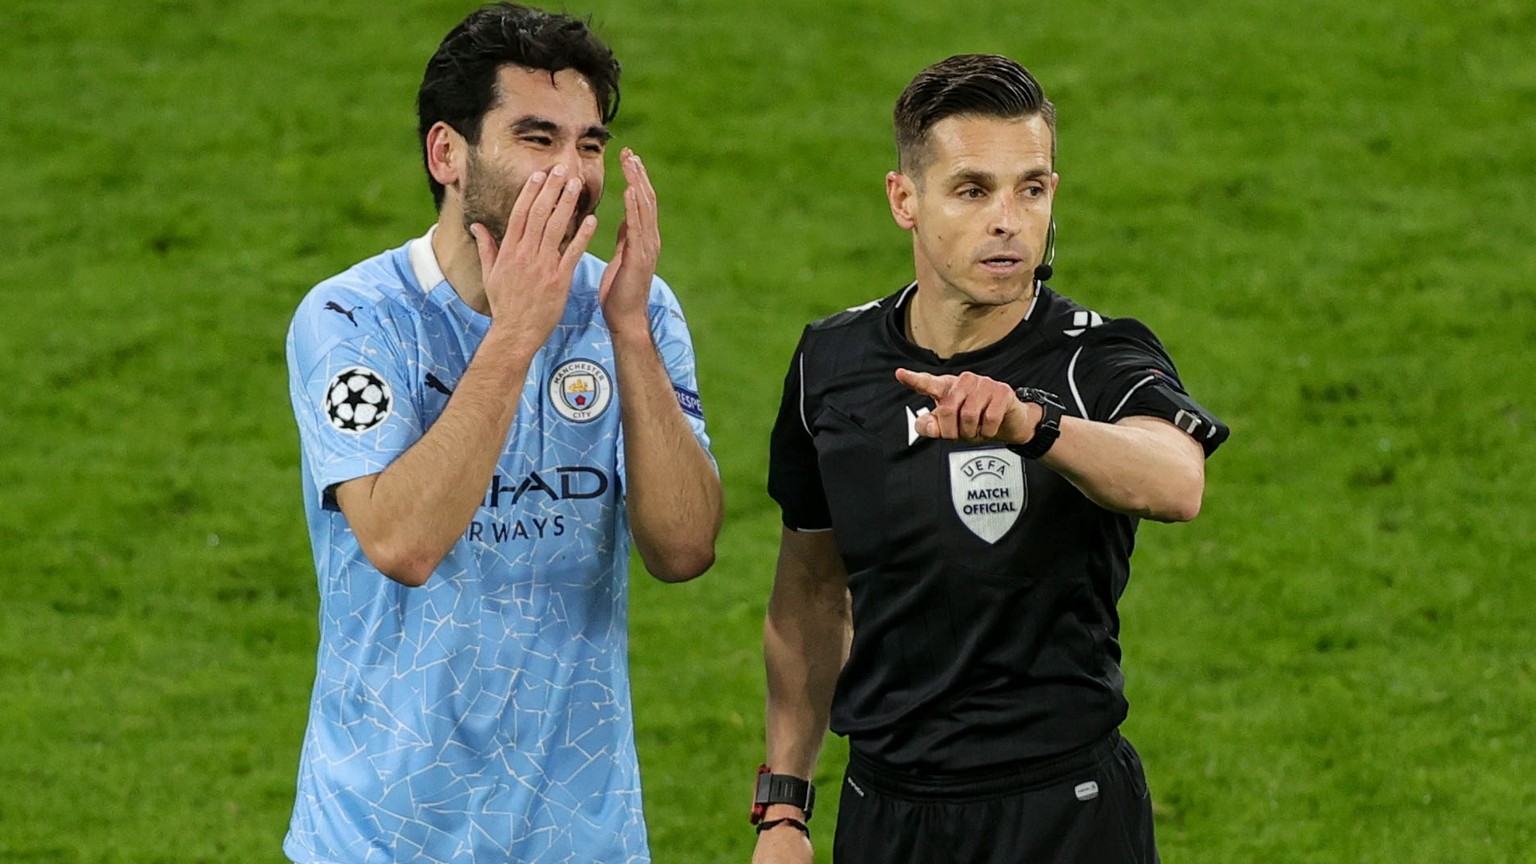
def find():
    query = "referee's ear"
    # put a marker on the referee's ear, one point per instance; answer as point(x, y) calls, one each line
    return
point(902, 193)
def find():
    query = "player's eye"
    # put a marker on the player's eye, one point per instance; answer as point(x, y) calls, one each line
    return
point(539, 140)
point(972, 192)
point(592, 148)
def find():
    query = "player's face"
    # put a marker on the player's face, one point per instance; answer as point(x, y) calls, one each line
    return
point(537, 122)
point(980, 209)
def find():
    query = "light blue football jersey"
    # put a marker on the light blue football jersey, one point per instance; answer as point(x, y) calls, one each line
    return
point(486, 715)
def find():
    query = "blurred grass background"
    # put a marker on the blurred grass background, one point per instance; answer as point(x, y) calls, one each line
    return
point(1324, 208)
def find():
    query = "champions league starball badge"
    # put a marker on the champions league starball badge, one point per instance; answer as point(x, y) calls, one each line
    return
point(357, 400)
point(580, 390)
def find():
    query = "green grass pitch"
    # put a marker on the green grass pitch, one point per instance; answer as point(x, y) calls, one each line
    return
point(1324, 207)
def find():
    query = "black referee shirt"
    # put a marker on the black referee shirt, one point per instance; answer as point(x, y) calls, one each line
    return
point(984, 585)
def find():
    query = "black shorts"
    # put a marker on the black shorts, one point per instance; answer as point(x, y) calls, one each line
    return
point(1089, 806)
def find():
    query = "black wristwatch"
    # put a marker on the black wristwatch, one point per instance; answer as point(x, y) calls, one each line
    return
point(1049, 427)
point(781, 789)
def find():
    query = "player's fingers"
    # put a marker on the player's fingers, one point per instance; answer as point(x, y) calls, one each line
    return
point(542, 207)
point(611, 272)
point(517, 220)
point(639, 220)
point(485, 244)
point(578, 245)
point(560, 216)
point(645, 194)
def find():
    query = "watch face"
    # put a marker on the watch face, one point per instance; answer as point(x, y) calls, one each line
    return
point(1040, 397)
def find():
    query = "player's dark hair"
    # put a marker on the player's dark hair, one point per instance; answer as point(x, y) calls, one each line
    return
point(459, 86)
point(985, 85)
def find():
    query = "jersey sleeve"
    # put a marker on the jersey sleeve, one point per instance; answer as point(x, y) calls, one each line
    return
point(1123, 371)
point(669, 330)
point(347, 380)
point(794, 473)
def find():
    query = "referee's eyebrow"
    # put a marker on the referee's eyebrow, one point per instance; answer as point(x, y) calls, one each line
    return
point(987, 179)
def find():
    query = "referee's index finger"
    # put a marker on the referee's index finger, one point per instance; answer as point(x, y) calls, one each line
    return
point(922, 382)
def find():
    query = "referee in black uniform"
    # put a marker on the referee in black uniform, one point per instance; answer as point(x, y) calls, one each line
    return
point(961, 466)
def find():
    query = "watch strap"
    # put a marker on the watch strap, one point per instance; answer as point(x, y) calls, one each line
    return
point(1049, 427)
point(781, 789)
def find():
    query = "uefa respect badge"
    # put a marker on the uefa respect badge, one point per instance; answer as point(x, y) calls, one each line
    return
point(580, 390)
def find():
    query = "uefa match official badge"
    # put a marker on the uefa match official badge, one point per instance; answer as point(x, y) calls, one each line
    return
point(988, 490)
point(580, 390)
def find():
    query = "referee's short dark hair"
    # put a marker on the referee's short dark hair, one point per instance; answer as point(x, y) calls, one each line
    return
point(459, 86)
point(982, 85)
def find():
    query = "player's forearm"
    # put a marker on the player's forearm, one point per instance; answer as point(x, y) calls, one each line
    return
point(673, 493)
point(1141, 466)
point(415, 510)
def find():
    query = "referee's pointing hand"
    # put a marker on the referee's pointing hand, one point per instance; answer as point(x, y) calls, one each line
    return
point(971, 408)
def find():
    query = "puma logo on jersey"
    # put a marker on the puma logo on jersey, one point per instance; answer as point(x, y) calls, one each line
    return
point(436, 384)
point(333, 306)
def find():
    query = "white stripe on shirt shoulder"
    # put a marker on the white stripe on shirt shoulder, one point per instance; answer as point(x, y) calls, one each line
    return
point(1082, 410)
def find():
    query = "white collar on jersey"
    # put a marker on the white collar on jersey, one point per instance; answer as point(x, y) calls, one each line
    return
point(429, 274)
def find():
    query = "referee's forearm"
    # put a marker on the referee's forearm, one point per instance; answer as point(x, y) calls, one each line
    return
point(1140, 466)
point(799, 701)
point(805, 643)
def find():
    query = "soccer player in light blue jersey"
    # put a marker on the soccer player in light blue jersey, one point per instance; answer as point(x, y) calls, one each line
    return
point(487, 415)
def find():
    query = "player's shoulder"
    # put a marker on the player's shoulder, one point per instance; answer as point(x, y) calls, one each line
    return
point(376, 289)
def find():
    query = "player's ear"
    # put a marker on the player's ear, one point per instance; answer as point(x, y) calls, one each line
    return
point(446, 152)
point(902, 194)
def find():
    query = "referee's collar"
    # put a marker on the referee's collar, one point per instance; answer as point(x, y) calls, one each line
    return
point(906, 294)
point(424, 266)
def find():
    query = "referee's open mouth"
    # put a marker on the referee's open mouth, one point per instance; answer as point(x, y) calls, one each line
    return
point(1002, 263)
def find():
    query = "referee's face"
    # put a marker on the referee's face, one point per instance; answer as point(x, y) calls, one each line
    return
point(538, 121)
point(979, 207)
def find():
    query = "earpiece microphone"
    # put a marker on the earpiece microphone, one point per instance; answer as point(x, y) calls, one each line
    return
point(1044, 271)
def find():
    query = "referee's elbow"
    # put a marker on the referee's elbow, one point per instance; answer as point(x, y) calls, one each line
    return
point(1177, 505)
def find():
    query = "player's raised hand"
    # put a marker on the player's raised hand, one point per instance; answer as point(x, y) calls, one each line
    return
point(971, 408)
point(625, 290)
point(527, 276)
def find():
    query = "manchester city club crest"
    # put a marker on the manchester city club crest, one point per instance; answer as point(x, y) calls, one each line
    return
point(580, 390)
point(988, 490)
